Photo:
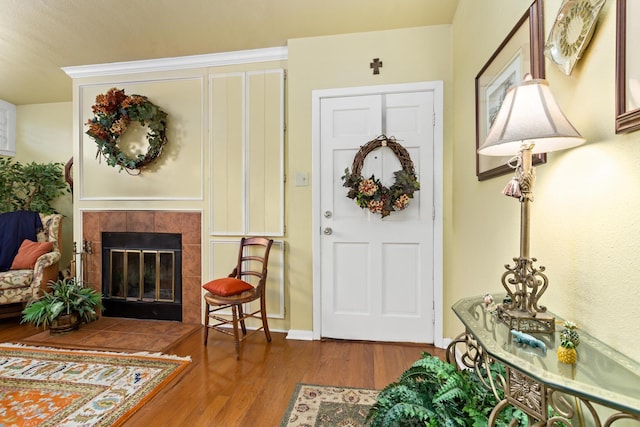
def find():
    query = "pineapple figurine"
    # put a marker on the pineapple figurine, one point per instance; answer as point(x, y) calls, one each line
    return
point(569, 340)
point(570, 332)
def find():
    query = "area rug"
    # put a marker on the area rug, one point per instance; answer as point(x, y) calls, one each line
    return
point(118, 334)
point(53, 387)
point(319, 405)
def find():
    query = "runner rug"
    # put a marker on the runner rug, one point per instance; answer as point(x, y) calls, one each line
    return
point(52, 387)
point(319, 405)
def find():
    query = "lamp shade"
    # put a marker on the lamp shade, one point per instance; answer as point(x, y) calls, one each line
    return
point(529, 115)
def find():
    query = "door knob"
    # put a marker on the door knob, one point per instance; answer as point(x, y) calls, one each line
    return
point(328, 231)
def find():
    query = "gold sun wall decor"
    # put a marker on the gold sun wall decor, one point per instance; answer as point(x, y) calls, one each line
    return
point(369, 193)
point(572, 32)
point(113, 112)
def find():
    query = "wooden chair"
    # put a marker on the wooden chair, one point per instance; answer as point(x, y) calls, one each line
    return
point(235, 290)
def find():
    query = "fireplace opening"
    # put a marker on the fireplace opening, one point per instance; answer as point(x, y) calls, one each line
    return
point(142, 275)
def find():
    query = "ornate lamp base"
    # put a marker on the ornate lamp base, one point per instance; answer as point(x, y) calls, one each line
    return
point(525, 285)
point(522, 321)
point(524, 282)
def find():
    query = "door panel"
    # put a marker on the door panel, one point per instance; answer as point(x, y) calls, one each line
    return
point(350, 290)
point(402, 296)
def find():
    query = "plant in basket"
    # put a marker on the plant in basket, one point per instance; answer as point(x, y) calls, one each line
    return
point(64, 307)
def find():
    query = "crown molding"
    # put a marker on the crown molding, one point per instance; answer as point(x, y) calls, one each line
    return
point(178, 63)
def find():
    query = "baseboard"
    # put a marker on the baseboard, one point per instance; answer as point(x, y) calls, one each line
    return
point(444, 343)
point(302, 335)
point(296, 334)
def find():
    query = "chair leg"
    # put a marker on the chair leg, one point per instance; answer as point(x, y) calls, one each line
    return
point(234, 311)
point(241, 317)
point(265, 322)
point(206, 323)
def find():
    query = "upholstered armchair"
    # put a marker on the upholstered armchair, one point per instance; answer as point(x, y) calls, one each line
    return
point(18, 286)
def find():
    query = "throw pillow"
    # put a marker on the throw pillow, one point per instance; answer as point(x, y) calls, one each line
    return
point(227, 286)
point(28, 254)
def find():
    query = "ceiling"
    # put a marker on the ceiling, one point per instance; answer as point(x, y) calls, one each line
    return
point(38, 37)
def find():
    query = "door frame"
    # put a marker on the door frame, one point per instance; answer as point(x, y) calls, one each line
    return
point(316, 98)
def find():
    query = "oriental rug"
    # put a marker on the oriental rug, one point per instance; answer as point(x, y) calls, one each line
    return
point(54, 387)
point(319, 405)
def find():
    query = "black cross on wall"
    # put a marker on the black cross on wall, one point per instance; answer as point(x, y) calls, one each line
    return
point(376, 65)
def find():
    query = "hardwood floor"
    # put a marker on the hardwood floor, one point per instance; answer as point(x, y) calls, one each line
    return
point(218, 390)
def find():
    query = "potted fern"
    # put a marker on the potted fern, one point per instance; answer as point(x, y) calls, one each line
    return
point(64, 307)
point(435, 393)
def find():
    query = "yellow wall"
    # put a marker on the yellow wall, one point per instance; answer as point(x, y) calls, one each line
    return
point(178, 174)
point(43, 135)
point(584, 221)
point(411, 55)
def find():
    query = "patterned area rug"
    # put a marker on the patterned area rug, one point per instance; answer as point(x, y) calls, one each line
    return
point(53, 387)
point(318, 405)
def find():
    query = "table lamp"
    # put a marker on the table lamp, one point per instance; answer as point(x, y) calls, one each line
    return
point(528, 122)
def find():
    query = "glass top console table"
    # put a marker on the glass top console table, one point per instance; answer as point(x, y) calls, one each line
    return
point(601, 389)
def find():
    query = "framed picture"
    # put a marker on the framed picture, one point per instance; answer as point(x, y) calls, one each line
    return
point(520, 53)
point(627, 67)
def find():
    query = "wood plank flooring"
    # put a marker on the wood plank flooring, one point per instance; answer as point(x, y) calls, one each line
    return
point(218, 390)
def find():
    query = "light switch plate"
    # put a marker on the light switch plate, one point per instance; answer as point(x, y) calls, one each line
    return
point(302, 179)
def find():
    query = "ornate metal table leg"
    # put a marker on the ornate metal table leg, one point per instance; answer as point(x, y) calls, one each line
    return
point(526, 394)
point(563, 410)
point(474, 357)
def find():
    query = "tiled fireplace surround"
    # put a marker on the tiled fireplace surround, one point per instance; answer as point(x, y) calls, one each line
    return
point(186, 223)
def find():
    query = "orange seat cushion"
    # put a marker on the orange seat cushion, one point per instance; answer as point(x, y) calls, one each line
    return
point(28, 254)
point(227, 286)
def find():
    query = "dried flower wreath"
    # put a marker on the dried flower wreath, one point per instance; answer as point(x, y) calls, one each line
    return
point(113, 113)
point(369, 193)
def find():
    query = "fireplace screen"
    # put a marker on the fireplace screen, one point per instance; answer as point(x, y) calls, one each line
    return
point(142, 274)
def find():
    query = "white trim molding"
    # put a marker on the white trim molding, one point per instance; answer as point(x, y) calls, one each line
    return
point(300, 335)
point(178, 63)
point(7, 129)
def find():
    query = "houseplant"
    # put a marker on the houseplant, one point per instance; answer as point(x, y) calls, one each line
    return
point(435, 393)
point(32, 186)
point(64, 306)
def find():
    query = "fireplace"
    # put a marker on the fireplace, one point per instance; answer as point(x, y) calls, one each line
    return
point(142, 275)
point(186, 223)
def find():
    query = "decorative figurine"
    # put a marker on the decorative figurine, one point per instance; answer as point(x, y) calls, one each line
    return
point(569, 340)
point(570, 332)
point(529, 340)
point(489, 305)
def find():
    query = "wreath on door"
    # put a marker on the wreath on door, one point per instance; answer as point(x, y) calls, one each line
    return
point(369, 193)
point(114, 111)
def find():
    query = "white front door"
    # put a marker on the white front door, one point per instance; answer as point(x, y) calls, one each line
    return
point(376, 274)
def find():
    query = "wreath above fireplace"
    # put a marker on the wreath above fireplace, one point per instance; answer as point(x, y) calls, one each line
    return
point(114, 111)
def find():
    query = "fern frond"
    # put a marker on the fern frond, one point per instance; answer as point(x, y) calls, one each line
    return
point(405, 414)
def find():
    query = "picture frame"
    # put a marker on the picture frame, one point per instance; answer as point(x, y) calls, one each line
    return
point(627, 68)
point(520, 53)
